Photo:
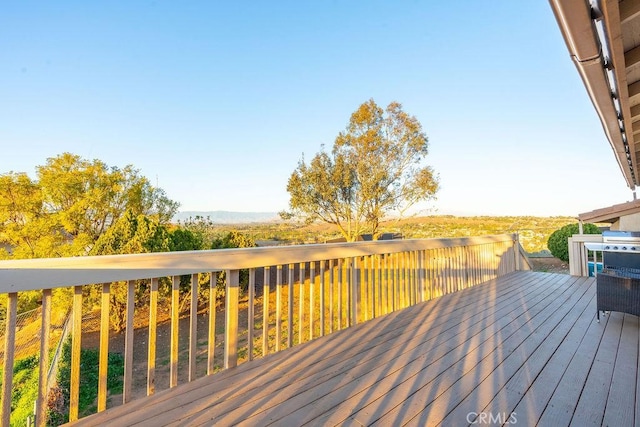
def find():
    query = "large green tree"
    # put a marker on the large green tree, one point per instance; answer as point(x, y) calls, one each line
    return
point(71, 204)
point(131, 234)
point(27, 230)
point(377, 166)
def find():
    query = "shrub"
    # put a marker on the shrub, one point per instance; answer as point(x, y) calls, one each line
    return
point(558, 242)
point(233, 239)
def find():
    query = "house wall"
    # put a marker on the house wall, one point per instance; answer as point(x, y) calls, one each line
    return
point(627, 223)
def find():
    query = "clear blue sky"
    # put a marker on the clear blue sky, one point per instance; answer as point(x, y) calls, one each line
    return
point(217, 101)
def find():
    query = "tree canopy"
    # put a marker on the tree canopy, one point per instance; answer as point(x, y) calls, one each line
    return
point(133, 234)
point(377, 166)
point(70, 204)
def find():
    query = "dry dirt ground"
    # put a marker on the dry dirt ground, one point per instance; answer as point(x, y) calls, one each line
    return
point(549, 265)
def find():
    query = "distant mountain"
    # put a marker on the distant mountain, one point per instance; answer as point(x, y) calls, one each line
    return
point(227, 217)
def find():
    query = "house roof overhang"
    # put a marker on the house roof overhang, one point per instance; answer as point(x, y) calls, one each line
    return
point(603, 38)
point(611, 214)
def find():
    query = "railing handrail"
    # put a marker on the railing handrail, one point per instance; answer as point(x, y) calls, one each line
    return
point(583, 238)
point(50, 273)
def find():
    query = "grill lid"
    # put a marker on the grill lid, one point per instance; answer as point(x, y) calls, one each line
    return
point(621, 241)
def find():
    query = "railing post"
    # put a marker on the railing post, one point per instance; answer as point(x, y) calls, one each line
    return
point(575, 258)
point(231, 319)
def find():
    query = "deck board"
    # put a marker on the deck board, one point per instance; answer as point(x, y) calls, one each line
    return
point(621, 401)
point(526, 344)
point(498, 363)
point(592, 403)
point(396, 368)
point(501, 391)
point(563, 402)
point(469, 348)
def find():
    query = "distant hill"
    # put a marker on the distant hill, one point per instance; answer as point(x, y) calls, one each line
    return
point(227, 217)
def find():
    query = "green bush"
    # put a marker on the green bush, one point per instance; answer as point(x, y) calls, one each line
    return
point(558, 242)
point(233, 239)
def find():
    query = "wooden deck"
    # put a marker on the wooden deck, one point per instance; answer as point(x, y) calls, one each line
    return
point(524, 349)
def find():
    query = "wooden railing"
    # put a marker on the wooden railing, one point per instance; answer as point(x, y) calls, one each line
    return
point(578, 253)
point(295, 294)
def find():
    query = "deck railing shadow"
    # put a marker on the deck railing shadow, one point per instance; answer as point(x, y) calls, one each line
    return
point(294, 295)
point(408, 367)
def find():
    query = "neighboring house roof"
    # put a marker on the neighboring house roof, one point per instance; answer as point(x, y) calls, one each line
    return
point(604, 43)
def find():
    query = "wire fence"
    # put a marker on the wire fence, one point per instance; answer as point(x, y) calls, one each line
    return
point(28, 331)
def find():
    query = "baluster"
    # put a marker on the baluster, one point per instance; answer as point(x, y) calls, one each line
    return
point(104, 347)
point(394, 279)
point(278, 307)
point(193, 327)
point(175, 331)
point(322, 297)
point(353, 288)
point(385, 282)
point(379, 305)
point(76, 338)
point(43, 368)
point(361, 266)
point(301, 299)
point(312, 298)
point(265, 312)
point(153, 317)
point(340, 292)
point(9, 354)
point(455, 265)
point(331, 287)
point(412, 277)
point(128, 344)
point(423, 275)
point(403, 279)
point(290, 306)
point(213, 302)
point(251, 312)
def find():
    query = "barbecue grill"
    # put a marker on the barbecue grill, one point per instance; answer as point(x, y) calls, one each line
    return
point(618, 285)
point(621, 249)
